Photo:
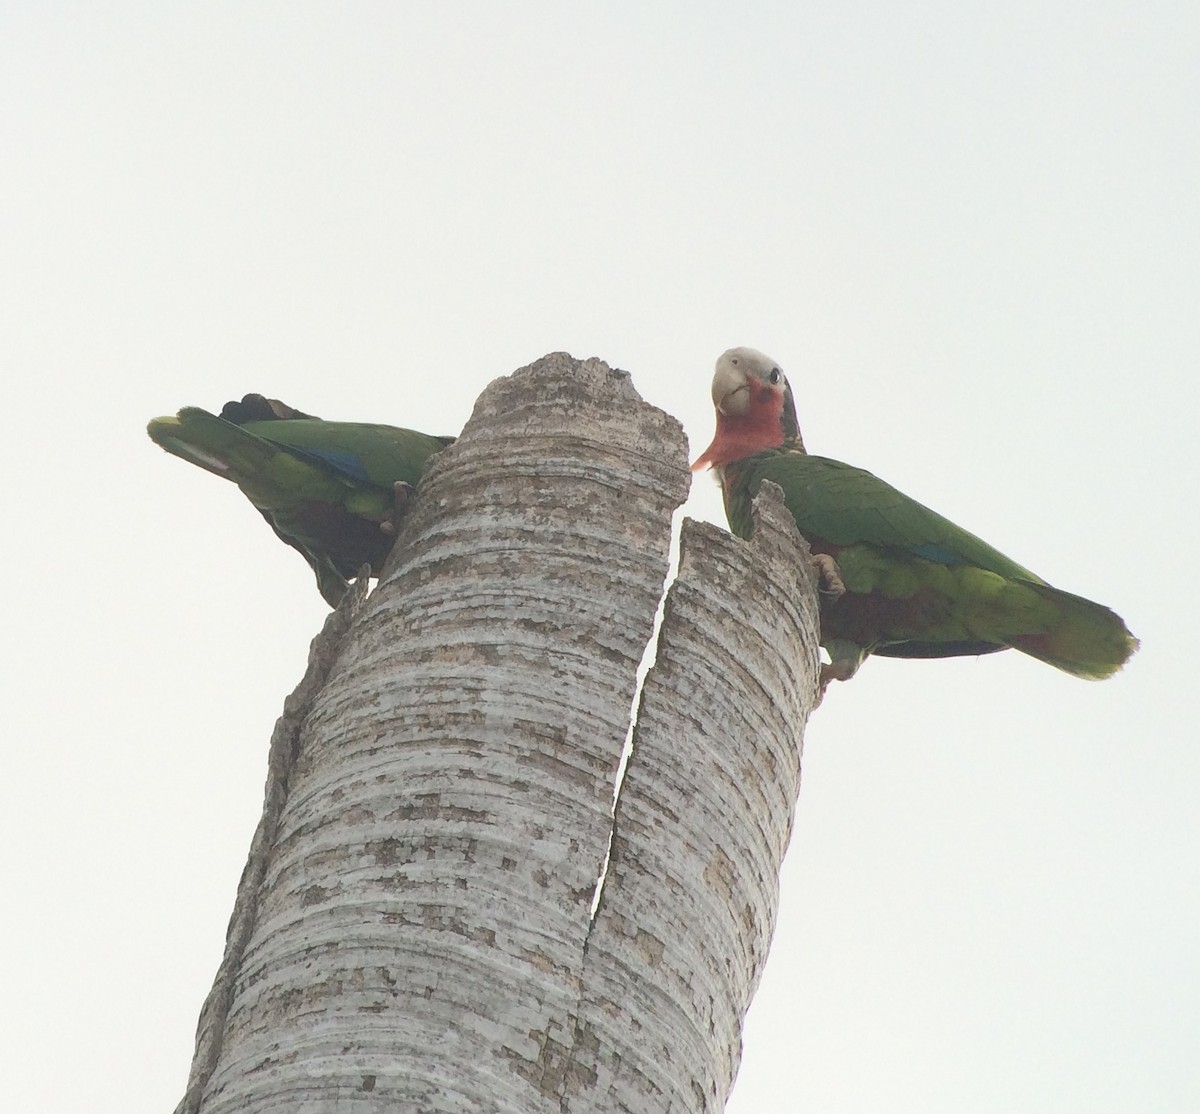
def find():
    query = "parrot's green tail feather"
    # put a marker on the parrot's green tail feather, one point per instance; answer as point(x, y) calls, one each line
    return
point(213, 444)
point(1084, 638)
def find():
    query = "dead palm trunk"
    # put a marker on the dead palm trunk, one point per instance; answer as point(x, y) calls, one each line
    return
point(416, 928)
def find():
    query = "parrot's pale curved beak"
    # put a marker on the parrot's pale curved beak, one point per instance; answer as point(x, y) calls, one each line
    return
point(730, 390)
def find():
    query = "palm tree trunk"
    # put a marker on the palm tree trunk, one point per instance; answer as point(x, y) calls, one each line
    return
point(415, 927)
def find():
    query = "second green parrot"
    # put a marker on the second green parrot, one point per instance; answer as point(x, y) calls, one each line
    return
point(332, 490)
point(905, 582)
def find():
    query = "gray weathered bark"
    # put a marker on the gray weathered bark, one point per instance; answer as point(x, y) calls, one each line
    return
point(414, 929)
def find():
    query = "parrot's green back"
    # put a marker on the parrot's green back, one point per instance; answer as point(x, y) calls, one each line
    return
point(917, 584)
point(326, 488)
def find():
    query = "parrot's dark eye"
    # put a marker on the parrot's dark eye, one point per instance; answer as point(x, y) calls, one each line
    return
point(775, 375)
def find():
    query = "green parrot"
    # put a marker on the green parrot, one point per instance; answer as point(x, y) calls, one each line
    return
point(333, 490)
point(902, 580)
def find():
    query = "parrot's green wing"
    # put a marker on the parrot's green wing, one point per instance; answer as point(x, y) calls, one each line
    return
point(327, 488)
point(917, 584)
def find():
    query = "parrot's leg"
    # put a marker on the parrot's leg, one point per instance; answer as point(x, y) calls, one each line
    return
point(331, 584)
point(829, 576)
point(403, 493)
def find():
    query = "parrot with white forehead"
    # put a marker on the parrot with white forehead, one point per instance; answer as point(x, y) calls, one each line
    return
point(905, 582)
point(335, 491)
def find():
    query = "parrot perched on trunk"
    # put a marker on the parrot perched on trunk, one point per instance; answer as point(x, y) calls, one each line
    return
point(904, 581)
point(332, 490)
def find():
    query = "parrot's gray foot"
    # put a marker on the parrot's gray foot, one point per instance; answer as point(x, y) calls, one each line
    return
point(829, 577)
point(831, 671)
point(837, 671)
point(844, 660)
point(401, 497)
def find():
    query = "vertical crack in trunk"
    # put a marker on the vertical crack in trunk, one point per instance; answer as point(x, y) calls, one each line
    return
point(649, 656)
point(433, 869)
point(677, 942)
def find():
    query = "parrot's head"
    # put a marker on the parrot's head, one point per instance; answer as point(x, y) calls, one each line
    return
point(755, 409)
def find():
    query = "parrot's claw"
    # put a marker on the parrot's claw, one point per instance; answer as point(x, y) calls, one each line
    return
point(844, 660)
point(402, 496)
point(829, 577)
point(832, 671)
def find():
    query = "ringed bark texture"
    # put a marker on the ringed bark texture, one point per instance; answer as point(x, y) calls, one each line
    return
point(414, 928)
point(703, 821)
point(418, 939)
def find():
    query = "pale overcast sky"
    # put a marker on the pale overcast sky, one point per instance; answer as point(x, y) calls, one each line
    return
point(967, 231)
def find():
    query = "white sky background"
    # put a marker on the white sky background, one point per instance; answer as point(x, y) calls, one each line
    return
point(967, 231)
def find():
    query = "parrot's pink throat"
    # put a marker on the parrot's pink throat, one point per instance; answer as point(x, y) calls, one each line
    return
point(742, 435)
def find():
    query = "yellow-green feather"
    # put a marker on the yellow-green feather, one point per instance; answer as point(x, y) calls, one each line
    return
point(917, 584)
